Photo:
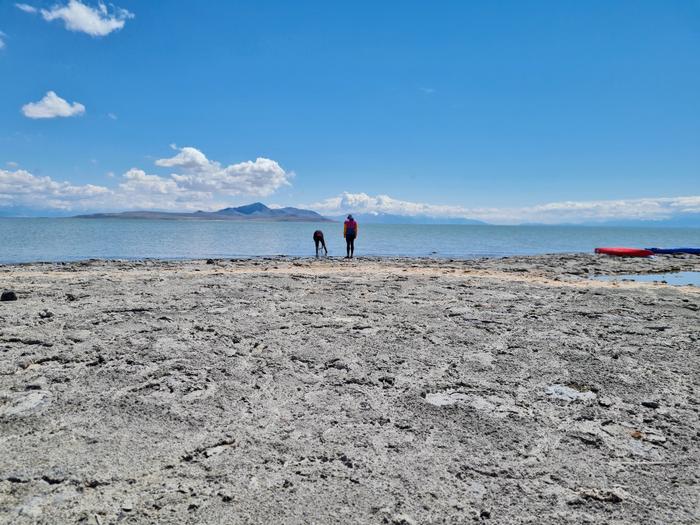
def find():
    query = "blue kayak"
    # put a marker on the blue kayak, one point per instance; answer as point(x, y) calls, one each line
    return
point(694, 251)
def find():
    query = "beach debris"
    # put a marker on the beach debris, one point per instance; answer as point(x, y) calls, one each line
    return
point(650, 404)
point(211, 261)
point(8, 295)
point(566, 393)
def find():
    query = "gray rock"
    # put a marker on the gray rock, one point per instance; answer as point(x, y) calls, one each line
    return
point(8, 295)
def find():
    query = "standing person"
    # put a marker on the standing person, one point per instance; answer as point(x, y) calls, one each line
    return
point(350, 234)
point(320, 241)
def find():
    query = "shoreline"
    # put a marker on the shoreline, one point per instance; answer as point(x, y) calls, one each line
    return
point(594, 265)
point(399, 390)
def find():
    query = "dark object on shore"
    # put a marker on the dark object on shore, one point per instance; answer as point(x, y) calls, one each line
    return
point(8, 295)
point(211, 261)
point(625, 252)
point(692, 251)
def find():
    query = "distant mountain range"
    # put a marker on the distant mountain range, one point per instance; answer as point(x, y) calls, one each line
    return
point(259, 212)
point(250, 212)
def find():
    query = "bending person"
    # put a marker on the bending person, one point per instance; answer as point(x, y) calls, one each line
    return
point(350, 234)
point(319, 241)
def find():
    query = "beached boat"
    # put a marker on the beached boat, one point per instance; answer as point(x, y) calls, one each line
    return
point(625, 252)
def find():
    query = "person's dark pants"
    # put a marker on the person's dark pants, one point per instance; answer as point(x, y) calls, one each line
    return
point(350, 244)
point(319, 241)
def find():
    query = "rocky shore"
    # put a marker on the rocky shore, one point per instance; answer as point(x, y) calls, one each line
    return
point(398, 391)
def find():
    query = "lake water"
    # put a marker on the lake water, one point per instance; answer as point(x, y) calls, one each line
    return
point(51, 239)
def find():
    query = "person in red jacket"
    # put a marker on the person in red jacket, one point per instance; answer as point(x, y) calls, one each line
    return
point(350, 234)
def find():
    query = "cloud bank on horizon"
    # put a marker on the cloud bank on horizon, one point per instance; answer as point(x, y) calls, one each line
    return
point(198, 183)
point(195, 183)
point(649, 209)
point(79, 17)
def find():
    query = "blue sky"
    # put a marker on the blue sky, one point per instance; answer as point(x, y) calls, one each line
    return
point(487, 109)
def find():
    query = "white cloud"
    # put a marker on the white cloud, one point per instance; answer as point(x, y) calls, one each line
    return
point(20, 187)
point(26, 8)
point(363, 203)
point(12, 164)
point(112, 116)
point(2, 40)
point(95, 21)
point(550, 213)
point(200, 184)
point(52, 106)
point(193, 170)
point(137, 190)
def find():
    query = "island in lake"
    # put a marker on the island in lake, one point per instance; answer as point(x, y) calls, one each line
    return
point(250, 212)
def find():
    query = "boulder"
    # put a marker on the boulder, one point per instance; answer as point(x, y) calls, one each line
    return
point(8, 295)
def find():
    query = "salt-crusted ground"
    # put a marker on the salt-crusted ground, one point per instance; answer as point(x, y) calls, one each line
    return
point(374, 391)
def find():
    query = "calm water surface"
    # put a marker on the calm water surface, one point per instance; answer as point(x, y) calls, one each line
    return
point(51, 239)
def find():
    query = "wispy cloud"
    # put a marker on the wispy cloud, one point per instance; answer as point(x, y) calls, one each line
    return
point(2, 40)
point(79, 17)
point(197, 183)
point(26, 8)
point(112, 116)
point(52, 106)
point(427, 90)
point(550, 213)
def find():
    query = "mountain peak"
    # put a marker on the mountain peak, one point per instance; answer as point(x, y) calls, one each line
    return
point(249, 209)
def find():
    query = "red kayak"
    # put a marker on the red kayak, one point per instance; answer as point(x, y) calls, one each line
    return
point(625, 252)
